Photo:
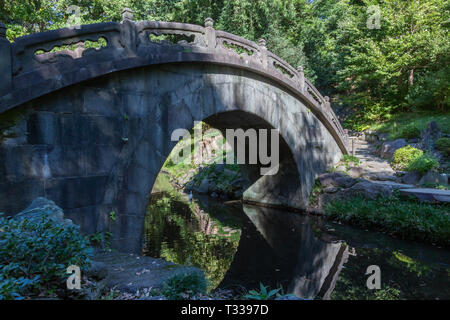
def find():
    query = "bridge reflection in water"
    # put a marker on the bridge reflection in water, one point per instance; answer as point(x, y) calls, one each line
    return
point(287, 249)
point(240, 246)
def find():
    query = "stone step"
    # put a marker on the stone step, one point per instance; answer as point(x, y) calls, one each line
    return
point(395, 185)
point(428, 194)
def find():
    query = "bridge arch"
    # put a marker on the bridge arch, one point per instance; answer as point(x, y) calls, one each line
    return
point(95, 144)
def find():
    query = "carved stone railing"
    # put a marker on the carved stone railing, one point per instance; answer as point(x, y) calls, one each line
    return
point(32, 66)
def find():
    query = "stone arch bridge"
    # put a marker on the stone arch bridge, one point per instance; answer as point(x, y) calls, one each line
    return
point(90, 128)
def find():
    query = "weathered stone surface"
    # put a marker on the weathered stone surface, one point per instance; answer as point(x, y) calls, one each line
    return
point(369, 190)
point(41, 206)
point(5, 62)
point(443, 179)
point(97, 271)
point(364, 188)
point(394, 185)
point(331, 190)
point(336, 179)
point(430, 135)
point(388, 148)
point(427, 194)
point(382, 176)
point(430, 177)
point(410, 178)
point(204, 186)
point(355, 172)
point(130, 273)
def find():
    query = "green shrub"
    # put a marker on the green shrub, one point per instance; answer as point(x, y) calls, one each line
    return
point(35, 254)
point(410, 132)
point(423, 163)
point(404, 156)
point(182, 286)
point(443, 145)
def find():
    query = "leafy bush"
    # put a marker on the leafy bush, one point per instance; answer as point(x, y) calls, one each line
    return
point(410, 132)
point(35, 254)
point(443, 145)
point(182, 286)
point(423, 163)
point(404, 156)
point(408, 219)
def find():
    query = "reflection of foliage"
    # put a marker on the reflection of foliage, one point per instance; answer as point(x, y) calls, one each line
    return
point(172, 233)
point(411, 264)
point(416, 281)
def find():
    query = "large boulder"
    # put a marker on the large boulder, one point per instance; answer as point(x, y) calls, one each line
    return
point(219, 167)
point(356, 172)
point(336, 179)
point(364, 188)
point(410, 178)
point(204, 186)
point(388, 148)
point(432, 177)
point(430, 135)
point(368, 190)
point(40, 206)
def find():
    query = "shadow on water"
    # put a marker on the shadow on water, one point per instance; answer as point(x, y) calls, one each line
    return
point(239, 246)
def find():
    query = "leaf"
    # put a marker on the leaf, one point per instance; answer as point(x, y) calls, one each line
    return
point(263, 289)
point(272, 292)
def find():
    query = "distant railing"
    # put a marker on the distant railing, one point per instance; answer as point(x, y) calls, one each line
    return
point(38, 57)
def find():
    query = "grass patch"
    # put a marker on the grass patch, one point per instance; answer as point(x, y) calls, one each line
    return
point(408, 124)
point(406, 219)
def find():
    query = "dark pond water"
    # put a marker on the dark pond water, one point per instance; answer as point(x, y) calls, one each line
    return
point(239, 246)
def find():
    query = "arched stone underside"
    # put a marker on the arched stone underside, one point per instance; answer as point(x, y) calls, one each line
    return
point(91, 129)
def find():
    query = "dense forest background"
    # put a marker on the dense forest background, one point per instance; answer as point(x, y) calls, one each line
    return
point(371, 71)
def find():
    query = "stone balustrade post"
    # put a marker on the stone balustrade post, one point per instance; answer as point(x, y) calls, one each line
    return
point(263, 52)
point(210, 34)
point(301, 78)
point(327, 103)
point(127, 14)
point(5, 62)
point(128, 33)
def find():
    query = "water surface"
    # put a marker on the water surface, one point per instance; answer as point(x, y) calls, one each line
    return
point(239, 246)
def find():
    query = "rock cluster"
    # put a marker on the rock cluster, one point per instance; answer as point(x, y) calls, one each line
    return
point(337, 185)
point(41, 205)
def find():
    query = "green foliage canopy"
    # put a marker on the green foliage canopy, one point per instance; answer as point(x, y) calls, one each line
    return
point(374, 72)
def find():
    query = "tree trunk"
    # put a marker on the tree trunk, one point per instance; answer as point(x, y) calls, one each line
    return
point(411, 77)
